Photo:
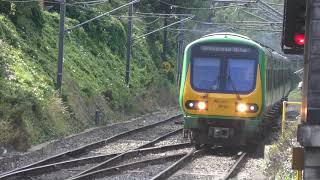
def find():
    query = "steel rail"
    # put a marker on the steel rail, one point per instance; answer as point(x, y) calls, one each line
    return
point(177, 165)
point(39, 170)
point(136, 152)
point(113, 170)
point(159, 139)
point(86, 148)
point(233, 169)
point(80, 161)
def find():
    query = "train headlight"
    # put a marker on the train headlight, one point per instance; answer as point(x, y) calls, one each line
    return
point(242, 107)
point(253, 108)
point(196, 105)
point(202, 105)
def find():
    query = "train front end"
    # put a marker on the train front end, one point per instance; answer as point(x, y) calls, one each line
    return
point(221, 90)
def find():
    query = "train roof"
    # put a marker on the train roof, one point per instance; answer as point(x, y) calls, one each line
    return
point(249, 40)
point(228, 37)
point(227, 34)
point(237, 38)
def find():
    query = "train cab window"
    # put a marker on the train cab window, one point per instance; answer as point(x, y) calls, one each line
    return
point(224, 68)
point(206, 73)
point(241, 75)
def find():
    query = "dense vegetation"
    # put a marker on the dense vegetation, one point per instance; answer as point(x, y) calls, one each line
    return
point(94, 63)
point(31, 111)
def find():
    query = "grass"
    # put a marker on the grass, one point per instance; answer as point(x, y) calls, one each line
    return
point(279, 161)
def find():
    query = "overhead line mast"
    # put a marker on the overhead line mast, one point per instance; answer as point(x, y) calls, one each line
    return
point(129, 44)
point(61, 45)
point(63, 30)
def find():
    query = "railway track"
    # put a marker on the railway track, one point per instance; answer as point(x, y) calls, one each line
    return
point(216, 163)
point(149, 161)
point(88, 154)
point(165, 166)
point(235, 167)
point(152, 159)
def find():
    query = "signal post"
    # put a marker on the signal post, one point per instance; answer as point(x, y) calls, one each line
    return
point(309, 130)
point(302, 19)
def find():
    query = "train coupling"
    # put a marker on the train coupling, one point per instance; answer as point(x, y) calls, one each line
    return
point(220, 132)
point(186, 133)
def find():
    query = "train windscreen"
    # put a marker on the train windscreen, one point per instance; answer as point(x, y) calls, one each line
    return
point(241, 74)
point(226, 69)
point(203, 69)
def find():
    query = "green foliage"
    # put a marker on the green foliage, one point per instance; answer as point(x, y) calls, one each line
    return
point(20, 14)
point(280, 155)
point(94, 70)
point(295, 95)
point(5, 7)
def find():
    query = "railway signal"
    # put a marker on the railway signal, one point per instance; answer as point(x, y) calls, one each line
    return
point(293, 31)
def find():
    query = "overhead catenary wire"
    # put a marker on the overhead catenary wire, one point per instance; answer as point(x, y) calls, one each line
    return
point(22, 1)
point(201, 8)
point(271, 14)
point(146, 34)
point(91, 2)
point(163, 14)
point(29, 1)
point(256, 16)
point(104, 14)
point(200, 31)
point(123, 16)
point(235, 1)
point(239, 22)
point(269, 30)
point(271, 8)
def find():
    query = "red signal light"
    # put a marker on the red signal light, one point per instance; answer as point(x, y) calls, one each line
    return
point(299, 39)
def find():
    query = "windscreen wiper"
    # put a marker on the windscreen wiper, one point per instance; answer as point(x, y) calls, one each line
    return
point(233, 87)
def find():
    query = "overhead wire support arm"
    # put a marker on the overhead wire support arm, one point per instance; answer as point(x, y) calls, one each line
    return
point(162, 14)
point(101, 15)
point(144, 35)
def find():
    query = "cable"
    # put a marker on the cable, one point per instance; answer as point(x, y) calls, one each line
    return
point(152, 21)
point(162, 14)
point(144, 35)
point(269, 30)
point(90, 2)
point(261, 18)
point(238, 23)
point(199, 31)
point(104, 14)
point(22, 1)
point(271, 8)
point(275, 4)
point(274, 16)
point(211, 8)
point(234, 1)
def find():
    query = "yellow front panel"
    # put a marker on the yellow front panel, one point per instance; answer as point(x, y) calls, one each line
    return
point(220, 104)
